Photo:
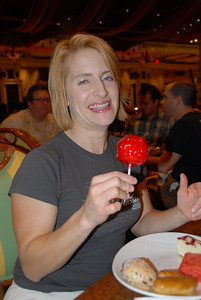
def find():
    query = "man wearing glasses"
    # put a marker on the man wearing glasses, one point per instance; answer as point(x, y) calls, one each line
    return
point(37, 119)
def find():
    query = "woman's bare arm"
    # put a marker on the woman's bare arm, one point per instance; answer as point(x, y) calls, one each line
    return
point(42, 249)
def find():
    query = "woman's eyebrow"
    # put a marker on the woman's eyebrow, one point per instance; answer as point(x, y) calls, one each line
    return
point(83, 74)
point(90, 74)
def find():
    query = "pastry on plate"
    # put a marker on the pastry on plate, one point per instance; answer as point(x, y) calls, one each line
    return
point(169, 273)
point(139, 272)
point(178, 286)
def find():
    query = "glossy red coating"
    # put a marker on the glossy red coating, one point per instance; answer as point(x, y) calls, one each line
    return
point(132, 149)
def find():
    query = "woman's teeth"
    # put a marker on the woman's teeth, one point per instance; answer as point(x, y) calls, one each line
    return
point(99, 106)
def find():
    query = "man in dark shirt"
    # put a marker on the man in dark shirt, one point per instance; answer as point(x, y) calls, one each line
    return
point(182, 153)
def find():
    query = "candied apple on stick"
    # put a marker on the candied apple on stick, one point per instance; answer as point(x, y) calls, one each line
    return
point(132, 150)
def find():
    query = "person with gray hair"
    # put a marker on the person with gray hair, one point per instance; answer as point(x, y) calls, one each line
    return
point(182, 152)
point(36, 119)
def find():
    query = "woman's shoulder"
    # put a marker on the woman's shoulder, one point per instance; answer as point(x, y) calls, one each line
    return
point(50, 149)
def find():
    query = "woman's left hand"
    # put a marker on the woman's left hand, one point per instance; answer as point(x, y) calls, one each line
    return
point(189, 199)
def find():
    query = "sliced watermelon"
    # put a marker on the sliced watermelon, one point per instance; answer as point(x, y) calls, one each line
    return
point(191, 265)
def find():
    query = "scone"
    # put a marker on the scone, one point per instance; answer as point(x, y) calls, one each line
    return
point(188, 244)
point(139, 272)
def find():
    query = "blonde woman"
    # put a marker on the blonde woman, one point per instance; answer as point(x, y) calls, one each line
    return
point(67, 225)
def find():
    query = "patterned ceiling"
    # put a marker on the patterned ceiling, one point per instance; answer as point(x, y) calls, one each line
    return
point(123, 23)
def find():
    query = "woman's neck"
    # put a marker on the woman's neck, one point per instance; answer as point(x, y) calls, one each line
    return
point(92, 141)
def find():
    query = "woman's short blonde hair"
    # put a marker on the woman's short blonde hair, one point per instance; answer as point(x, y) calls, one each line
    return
point(59, 69)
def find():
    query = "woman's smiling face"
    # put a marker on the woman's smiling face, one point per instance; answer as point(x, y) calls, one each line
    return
point(92, 93)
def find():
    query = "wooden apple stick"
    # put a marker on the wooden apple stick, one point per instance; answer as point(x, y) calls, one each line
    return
point(129, 169)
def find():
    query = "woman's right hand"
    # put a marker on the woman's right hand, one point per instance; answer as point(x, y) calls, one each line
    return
point(104, 189)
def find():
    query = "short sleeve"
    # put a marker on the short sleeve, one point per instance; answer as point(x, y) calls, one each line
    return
point(37, 177)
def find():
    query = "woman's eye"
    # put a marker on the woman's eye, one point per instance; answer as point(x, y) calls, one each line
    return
point(108, 78)
point(83, 82)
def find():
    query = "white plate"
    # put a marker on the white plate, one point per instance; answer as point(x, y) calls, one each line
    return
point(161, 249)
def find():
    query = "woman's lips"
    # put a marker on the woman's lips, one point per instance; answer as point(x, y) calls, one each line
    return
point(99, 107)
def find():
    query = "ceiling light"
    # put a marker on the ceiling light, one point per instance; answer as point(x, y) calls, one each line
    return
point(191, 41)
point(198, 20)
point(195, 40)
point(158, 14)
point(100, 22)
point(127, 10)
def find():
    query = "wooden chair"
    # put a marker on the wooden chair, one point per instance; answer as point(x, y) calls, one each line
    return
point(11, 159)
point(18, 138)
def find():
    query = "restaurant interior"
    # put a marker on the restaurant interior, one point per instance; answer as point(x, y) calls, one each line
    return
point(156, 41)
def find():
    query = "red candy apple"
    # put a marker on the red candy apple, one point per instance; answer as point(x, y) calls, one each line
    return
point(132, 150)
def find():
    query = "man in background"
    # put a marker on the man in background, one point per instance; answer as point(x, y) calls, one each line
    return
point(182, 153)
point(36, 119)
point(151, 122)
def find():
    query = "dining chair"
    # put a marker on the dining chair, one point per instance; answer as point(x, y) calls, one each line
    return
point(18, 138)
point(11, 159)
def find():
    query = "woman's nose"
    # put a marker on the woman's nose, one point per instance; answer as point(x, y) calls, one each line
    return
point(101, 89)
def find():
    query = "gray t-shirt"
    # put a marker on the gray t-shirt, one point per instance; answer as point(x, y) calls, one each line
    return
point(59, 172)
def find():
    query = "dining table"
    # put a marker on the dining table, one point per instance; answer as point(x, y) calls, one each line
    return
point(109, 288)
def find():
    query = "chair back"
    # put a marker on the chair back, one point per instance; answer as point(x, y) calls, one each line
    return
point(11, 161)
point(18, 138)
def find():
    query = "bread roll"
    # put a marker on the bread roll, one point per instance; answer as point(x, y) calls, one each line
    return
point(178, 286)
point(139, 272)
point(169, 273)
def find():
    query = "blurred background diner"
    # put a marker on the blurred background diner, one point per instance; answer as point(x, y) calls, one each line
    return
point(36, 119)
point(151, 122)
point(181, 153)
